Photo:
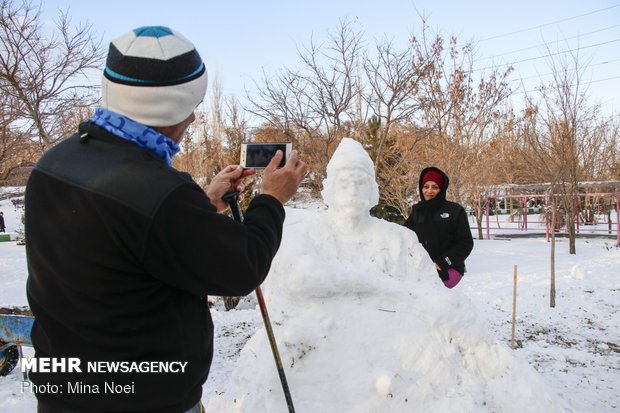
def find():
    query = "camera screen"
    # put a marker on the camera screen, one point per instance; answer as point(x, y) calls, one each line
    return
point(259, 155)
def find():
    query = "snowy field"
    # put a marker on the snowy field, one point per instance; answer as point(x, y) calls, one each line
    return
point(575, 346)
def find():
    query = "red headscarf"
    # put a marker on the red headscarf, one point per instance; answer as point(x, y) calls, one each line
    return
point(434, 176)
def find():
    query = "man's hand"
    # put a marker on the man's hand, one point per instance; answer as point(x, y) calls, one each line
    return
point(229, 179)
point(283, 183)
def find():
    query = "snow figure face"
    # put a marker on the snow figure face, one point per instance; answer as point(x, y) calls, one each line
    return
point(351, 191)
point(350, 184)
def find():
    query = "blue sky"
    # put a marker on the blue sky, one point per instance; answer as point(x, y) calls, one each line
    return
point(240, 39)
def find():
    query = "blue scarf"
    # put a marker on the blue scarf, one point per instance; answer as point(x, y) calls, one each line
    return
point(140, 134)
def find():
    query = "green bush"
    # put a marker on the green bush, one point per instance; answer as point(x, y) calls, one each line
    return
point(387, 212)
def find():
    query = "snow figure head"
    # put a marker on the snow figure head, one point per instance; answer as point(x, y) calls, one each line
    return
point(350, 186)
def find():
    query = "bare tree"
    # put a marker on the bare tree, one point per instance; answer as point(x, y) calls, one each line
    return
point(41, 74)
point(568, 142)
point(398, 178)
point(393, 77)
point(238, 129)
point(204, 150)
point(543, 163)
point(315, 105)
point(465, 109)
point(15, 148)
point(610, 155)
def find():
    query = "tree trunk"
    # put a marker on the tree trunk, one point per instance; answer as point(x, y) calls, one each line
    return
point(571, 236)
point(479, 222)
point(230, 302)
point(571, 214)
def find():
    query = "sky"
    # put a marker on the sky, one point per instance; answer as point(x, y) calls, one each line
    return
point(239, 40)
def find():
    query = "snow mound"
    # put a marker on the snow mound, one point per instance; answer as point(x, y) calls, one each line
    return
point(578, 272)
point(364, 324)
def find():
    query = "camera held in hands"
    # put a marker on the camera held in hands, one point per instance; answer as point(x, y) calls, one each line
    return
point(258, 155)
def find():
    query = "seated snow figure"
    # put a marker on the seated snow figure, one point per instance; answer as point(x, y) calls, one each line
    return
point(362, 325)
point(355, 253)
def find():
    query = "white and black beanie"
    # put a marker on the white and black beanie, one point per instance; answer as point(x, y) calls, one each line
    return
point(154, 76)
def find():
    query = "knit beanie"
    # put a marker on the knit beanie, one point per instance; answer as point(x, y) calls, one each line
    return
point(154, 76)
point(434, 176)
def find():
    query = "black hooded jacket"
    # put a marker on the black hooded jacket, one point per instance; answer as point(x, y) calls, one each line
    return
point(442, 227)
point(122, 250)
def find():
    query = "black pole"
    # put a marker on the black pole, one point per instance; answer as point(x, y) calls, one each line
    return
point(231, 199)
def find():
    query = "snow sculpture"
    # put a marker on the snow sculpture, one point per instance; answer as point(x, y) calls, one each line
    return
point(364, 324)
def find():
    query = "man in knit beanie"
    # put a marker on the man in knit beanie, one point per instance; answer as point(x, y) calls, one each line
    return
point(123, 249)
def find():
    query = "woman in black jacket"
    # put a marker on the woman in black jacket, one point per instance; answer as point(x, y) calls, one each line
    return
point(441, 226)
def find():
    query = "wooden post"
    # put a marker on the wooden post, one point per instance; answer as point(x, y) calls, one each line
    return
point(552, 275)
point(618, 218)
point(525, 213)
point(514, 309)
point(546, 219)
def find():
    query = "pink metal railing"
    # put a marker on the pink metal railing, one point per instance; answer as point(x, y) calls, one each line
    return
point(524, 220)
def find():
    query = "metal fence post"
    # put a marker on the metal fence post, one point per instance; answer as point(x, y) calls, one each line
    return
point(618, 218)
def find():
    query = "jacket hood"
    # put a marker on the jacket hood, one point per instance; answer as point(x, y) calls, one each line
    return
point(441, 197)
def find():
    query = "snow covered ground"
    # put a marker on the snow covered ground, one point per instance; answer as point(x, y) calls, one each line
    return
point(575, 346)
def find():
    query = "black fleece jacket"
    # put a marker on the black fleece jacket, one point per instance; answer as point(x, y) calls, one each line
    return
point(122, 252)
point(442, 227)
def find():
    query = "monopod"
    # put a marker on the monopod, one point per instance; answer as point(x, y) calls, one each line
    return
point(231, 199)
